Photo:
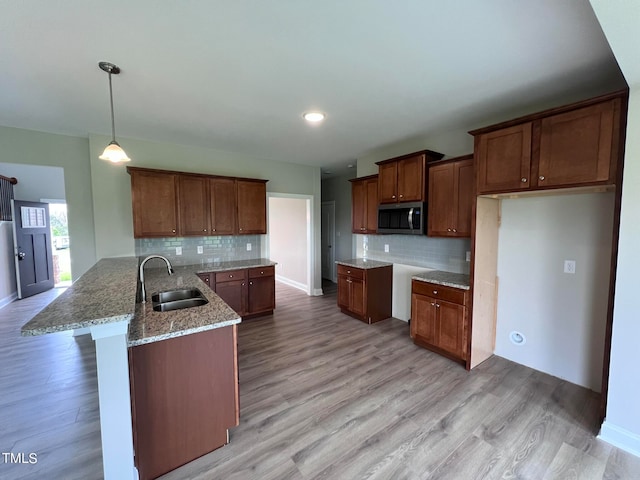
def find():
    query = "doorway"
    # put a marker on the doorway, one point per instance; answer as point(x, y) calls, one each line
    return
point(289, 238)
point(60, 241)
point(328, 241)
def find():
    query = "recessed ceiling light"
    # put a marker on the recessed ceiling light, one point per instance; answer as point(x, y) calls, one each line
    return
point(313, 117)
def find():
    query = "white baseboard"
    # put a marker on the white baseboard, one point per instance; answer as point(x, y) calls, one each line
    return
point(620, 437)
point(293, 283)
point(317, 292)
point(7, 300)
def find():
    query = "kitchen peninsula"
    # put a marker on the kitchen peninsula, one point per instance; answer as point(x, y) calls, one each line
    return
point(129, 337)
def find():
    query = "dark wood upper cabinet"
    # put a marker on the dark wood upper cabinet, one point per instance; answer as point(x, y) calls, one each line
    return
point(193, 204)
point(222, 196)
point(168, 204)
point(576, 147)
point(364, 204)
point(154, 202)
point(504, 159)
point(402, 179)
point(252, 206)
point(572, 146)
point(451, 192)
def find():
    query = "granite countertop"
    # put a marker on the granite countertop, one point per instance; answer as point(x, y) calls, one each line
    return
point(448, 279)
point(363, 263)
point(150, 326)
point(106, 293)
point(232, 265)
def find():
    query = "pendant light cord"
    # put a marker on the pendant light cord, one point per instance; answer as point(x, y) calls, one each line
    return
point(113, 122)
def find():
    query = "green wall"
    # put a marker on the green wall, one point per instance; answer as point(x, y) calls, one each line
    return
point(71, 153)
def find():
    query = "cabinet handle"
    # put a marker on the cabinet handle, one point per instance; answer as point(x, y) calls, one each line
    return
point(250, 283)
point(523, 180)
point(433, 304)
point(240, 229)
point(206, 280)
point(437, 305)
point(401, 196)
point(213, 229)
point(348, 271)
point(205, 230)
point(173, 231)
point(242, 284)
point(261, 273)
point(454, 230)
point(448, 229)
point(541, 177)
point(230, 276)
point(393, 196)
point(435, 292)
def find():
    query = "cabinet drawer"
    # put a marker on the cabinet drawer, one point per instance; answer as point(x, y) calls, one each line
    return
point(258, 272)
point(433, 290)
point(351, 271)
point(231, 275)
point(205, 277)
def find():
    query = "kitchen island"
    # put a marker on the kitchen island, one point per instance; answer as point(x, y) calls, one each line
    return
point(103, 301)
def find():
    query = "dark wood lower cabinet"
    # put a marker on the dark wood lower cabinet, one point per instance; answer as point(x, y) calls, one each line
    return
point(184, 394)
point(439, 319)
point(365, 293)
point(251, 292)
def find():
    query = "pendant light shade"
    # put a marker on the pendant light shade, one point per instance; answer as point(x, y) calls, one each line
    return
point(113, 152)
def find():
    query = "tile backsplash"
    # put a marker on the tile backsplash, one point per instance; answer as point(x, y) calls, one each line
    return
point(447, 254)
point(214, 249)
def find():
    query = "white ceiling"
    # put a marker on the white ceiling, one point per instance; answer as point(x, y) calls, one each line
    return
point(237, 75)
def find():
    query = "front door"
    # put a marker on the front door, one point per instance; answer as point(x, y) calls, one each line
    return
point(32, 247)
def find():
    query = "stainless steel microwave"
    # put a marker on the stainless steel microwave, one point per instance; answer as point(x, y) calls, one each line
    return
point(405, 218)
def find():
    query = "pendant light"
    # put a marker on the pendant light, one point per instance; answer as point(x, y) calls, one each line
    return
point(113, 152)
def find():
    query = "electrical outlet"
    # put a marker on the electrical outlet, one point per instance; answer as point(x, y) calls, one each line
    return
point(468, 256)
point(178, 250)
point(248, 247)
point(386, 248)
point(200, 249)
point(570, 266)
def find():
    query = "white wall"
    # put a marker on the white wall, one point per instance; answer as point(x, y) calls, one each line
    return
point(563, 316)
point(35, 182)
point(288, 239)
point(620, 22)
point(8, 288)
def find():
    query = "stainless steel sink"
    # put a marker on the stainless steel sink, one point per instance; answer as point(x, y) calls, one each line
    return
point(178, 299)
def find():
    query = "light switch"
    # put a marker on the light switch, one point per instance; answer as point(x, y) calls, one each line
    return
point(386, 248)
point(248, 247)
point(178, 250)
point(200, 249)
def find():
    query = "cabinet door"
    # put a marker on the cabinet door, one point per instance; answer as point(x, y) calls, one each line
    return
point(358, 207)
point(357, 296)
point(262, 294)
point(343, 292)
point(388, 182)
point(222, 205)
point(252, 207)
point(504, 159)
point(576, 147)
point(233, 294)
point(371, 187)
point(193, 204)
point(463, 194)
point(450, 328)
point(154, 204)
point(423, 318)
point(441, 200)
point(411, 179)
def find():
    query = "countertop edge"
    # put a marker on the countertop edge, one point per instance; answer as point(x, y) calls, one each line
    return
point(94, 322)
point(181, 333)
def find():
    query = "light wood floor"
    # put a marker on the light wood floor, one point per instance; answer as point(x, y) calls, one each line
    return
point(322, 396)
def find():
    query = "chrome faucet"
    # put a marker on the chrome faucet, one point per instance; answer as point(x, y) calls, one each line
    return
point(142, 264)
